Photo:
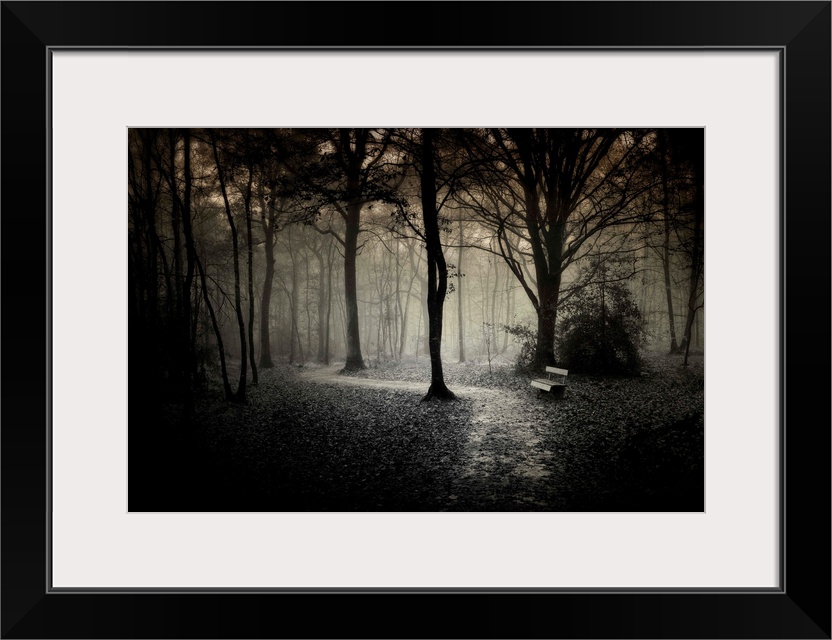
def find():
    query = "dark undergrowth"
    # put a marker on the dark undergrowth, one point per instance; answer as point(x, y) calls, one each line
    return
point(300, 446)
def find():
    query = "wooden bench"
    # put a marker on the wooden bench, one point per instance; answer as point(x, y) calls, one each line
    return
point(554, 382)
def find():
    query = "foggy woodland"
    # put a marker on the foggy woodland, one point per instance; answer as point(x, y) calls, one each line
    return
point(349, 319)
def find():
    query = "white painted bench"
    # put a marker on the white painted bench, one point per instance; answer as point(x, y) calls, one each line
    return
point(554, 382)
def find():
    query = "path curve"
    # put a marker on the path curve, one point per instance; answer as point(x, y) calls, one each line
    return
point(331, 375)
point(504, 442)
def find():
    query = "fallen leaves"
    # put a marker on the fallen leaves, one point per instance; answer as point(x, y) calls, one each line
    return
point(612, 444)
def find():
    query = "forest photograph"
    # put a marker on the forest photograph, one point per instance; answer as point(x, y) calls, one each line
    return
point(416, 320)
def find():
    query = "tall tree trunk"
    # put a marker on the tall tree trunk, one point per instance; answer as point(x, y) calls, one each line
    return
point(157, 332)
point(354, 360)
point(267, 220)
point(401, 320)
point(191, 257)
point(696, 267)
point(330, 256)
point(404, 316)
point(460, 315)
point(226, 386)
point(493, 319)
point(380, 338)
point(674, 347)
point(544, 354)
point(425, 345)
point(181, 321)
point(547, 251)
point(319, 254)
point(393, 306)
point(413, 263)
point(418, 348)
point(240, 396)
point(150, 220)
point(509, 304)
point(293, 308)
point(342, 315)
point(296, 315)
point(437, 271)
point(392, 339)
point(250, 257)
point(308, 308)
point(548, 290)
point(292, 327)
point(668, 288)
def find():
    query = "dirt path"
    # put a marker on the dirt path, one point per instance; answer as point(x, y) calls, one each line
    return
point(504, 455)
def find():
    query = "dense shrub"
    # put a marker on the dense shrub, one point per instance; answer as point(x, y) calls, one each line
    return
point(526, 338)
point(600, 330)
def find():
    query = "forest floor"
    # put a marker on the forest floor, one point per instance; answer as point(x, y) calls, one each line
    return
point(313, 439)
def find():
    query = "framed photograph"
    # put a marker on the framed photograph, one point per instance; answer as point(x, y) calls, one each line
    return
point(704, 122)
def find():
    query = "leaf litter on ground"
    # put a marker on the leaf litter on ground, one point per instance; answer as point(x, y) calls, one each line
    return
point(306, 441)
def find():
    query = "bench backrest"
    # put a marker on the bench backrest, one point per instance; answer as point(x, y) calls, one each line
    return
point(555, 370)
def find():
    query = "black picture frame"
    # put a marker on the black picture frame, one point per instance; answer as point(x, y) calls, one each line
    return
point(800, 608)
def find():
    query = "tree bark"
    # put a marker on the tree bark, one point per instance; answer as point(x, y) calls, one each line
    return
point(696, 267)
point(191, 257)
point(424, 346)
point(509, 303)
point(226, 386)
point(460, 314)
point(308, 307)
point(404, 316)
point(493, 319)
point(181, 320)
point(674, 347)
point(295, 313)
point(545, 351)
point(330, 256)
point(250, 258)
point(319, 254)
point(437, 271)
point(548, 292)
point(267, 221)
point(240, 396)
point(354, 359)
point(668, 289)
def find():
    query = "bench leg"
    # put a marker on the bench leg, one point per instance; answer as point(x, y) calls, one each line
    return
point(554, 394)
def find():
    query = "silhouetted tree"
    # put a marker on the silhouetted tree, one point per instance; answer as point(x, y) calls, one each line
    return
point(353, 170)
point(240, 394)
point(688, 147)
point(437, 267)
point(549, 195)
